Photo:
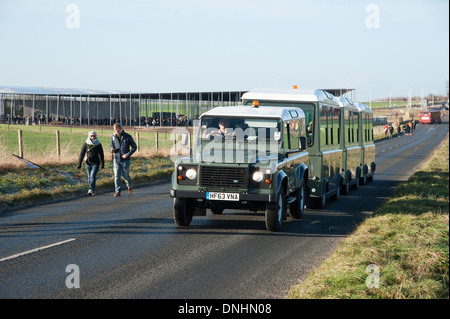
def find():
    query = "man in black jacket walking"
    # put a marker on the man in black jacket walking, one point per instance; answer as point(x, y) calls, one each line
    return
point(122, 146)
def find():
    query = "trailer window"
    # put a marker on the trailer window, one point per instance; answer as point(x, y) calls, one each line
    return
point(307, 108)
point(323, 125)
point(336, 120)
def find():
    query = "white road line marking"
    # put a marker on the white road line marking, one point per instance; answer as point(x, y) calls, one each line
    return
point(37, 249)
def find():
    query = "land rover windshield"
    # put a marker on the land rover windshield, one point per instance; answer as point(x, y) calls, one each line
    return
point(245, 129)
point(238, 139)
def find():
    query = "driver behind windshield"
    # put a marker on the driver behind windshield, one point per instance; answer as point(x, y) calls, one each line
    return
point(223, 130)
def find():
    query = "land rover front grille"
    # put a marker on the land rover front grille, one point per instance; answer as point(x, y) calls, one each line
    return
point(224, 177)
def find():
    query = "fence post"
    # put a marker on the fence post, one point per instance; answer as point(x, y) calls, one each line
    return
point(137, 140)
point(156, 141)
point(20, 144)
point(58, 144)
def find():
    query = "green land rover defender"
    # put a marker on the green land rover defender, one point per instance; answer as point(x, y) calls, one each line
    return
point(245, 158)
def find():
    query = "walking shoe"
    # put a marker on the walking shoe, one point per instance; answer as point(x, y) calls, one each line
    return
point(130, 190)
point(116, 194)
point(91, 192)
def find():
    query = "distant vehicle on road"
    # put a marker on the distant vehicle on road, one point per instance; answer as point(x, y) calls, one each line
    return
point(430, 117)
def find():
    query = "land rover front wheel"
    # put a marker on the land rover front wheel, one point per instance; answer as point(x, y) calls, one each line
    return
point(182, 211)
point(275, 212)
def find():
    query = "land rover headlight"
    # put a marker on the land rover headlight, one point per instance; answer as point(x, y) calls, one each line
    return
point(257, 176)
point(191, 173)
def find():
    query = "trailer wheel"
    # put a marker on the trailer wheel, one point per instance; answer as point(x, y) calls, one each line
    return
point(275, 211)
point(372, 175)
point(357, 179)
point(182, 211)
point(346, 187)
point(363, 179)
point(338, 192)
point(320, 202)
point(298, 207)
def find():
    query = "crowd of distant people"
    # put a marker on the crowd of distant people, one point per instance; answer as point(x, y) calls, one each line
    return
point(407, 128)
point(67, 120)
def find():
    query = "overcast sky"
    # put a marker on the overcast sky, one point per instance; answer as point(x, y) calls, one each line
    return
point(377, 47)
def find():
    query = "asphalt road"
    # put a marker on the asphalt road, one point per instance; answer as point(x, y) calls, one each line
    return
point(129, 247)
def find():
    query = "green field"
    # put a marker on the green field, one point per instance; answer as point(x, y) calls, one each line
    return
point(191, 109)
point(387, 104)
point(39, 142)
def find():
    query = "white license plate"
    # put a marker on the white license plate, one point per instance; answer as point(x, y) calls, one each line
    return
point(222, 196)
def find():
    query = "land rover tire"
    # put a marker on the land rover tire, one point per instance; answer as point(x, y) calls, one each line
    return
point(182, 211)
point(275, 211)
point(297, 208)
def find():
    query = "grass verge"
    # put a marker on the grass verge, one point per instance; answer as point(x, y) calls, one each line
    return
point(402, 251)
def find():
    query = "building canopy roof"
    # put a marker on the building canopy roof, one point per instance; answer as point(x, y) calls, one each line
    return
point(53, 91)
point(205, 95)
point(223, 95)
point(338, 92)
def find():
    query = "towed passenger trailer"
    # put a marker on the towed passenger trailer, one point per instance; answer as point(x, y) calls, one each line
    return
point(350, 140)
point(339, 139)
point(368, 165)
point(322, 117)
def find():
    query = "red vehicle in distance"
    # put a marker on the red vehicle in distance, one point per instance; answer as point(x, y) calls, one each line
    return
point(430, 117)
